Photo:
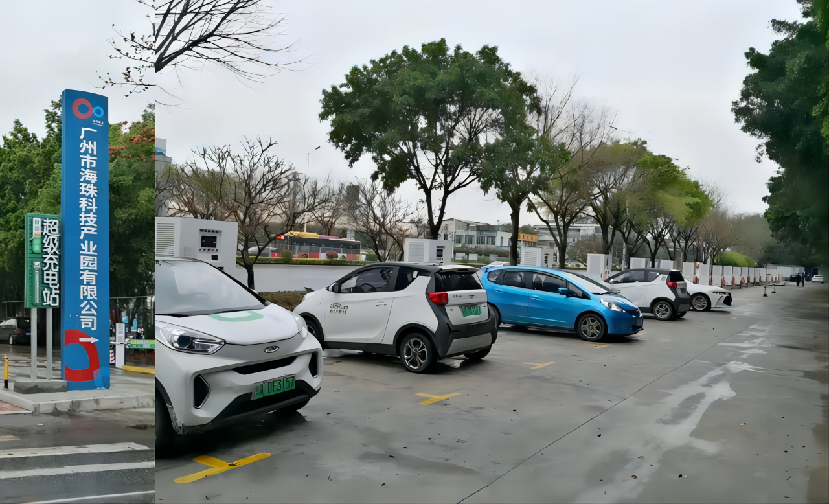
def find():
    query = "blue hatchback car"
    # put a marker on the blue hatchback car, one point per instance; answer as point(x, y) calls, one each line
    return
point(560, 300)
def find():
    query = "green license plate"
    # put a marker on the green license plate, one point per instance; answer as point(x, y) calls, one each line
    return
point(274, 387)
point(468, 311)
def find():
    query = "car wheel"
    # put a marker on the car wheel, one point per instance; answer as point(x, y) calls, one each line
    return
point(591, 327)
point(495, 314)
point(478, 354)
point(700, 302)
point(165, 436)
point(417, 353)
point(663, 310)
point(315, 330)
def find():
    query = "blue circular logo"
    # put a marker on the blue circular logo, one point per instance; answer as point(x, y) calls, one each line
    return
point(98, 111)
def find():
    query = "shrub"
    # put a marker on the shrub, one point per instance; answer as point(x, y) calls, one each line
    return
point(331, 254)
point(735, 259)
point(286, 254)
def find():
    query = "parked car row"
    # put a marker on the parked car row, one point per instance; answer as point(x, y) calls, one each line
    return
point(15, 331)
point(225, 352)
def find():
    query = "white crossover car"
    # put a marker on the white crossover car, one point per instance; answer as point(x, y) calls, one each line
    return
point(661, 292)
point(223, 352)
point(704, 297)
point(418, 312)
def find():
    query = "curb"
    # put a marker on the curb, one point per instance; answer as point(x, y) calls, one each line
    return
point(86, 404)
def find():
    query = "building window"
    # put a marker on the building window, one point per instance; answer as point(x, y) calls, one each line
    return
point(458, 239)
point(469, 239)
point(481, 240)
point(490, 240)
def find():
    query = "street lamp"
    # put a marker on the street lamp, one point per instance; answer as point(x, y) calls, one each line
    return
point(309, 159)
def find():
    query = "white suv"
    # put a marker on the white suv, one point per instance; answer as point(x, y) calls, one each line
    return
point(418, 312)
point(224, 352)
point(661, 292)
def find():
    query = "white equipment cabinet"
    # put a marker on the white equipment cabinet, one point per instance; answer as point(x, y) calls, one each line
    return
point(426, 250)
point(211, 241)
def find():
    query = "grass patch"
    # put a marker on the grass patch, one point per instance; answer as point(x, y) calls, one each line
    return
point(288, 300)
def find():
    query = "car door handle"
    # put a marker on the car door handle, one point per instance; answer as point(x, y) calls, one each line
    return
point(381, 304)
point(535, 297)
point(499, 291)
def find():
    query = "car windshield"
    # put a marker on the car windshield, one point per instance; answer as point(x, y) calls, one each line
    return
point(593, 286)
point(184, 288)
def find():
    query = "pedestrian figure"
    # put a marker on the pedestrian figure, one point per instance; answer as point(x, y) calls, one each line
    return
point(797, 279)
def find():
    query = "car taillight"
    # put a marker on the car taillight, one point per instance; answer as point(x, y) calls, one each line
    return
point(672, 285)
point(439, 298)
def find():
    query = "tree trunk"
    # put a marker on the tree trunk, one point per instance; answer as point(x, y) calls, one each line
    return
point(251, 282)
point(513, 246)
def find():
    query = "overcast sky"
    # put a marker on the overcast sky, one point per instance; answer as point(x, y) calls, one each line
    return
point(47, 46)
point(669, 70)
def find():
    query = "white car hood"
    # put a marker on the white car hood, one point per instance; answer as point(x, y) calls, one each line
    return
point(248, 327)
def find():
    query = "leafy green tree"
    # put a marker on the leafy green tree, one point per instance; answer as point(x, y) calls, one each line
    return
point(516, 166)
point(30, 181)
point(784, 103)
point(425, 116)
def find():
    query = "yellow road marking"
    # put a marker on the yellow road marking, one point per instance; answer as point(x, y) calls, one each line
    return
point(436, 398)
point(136, 369)
point(538, 365)
point(601, 345)
point(218, 466)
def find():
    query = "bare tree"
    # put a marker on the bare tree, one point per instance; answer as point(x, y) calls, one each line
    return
point(582, 130)
point(187, 34)
point(255, 188)
point(193, 190)
point(381, 218)
point(332, 207)
point(715, 234)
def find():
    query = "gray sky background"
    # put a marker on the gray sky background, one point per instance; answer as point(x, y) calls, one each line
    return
point(668, 69)
point(47, 46)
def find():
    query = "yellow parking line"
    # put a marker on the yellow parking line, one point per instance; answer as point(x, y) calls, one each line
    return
point(538, 365)
point(218, 466)
point(601, 345)
point(136, 369)
point(436, 398)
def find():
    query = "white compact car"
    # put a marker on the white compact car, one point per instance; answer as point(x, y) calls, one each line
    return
point(817, 278)
point(418, 312)
point(704, 297)
point(661, 292)
point(223, 352)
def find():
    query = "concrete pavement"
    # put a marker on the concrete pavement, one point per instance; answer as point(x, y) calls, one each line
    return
point(733, 401)
point(131, 387)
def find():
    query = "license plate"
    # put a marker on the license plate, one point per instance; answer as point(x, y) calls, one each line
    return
point(468, 311)
point(274, 387)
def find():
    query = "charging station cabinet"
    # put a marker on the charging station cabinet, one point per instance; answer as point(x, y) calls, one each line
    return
point(214, 242)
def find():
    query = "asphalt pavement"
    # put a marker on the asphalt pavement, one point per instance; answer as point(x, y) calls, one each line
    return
point(721, 406)
point(96, 457)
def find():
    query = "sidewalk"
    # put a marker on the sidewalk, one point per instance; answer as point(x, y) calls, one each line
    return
point(130, 387)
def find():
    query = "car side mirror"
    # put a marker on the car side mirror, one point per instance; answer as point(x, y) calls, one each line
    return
point(335, 287)
point(564, 291)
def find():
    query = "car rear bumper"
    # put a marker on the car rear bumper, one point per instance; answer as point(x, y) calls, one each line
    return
point(458, 339)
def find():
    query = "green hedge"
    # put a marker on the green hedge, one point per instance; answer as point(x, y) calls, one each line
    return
point(735, 259)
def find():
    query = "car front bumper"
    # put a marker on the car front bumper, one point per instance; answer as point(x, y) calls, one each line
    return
point(232, 375)
point(623, 323)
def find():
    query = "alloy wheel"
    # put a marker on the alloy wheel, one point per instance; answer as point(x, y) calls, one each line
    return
point(662, 310)
point(590, 327)
point(700, 303)
point(415, 353)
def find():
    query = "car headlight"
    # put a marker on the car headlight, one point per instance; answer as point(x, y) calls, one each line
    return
point(611, 306)
point(188, 340)
point(302, 326)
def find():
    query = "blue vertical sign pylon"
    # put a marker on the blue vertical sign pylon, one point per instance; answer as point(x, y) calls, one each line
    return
point(84, 209)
